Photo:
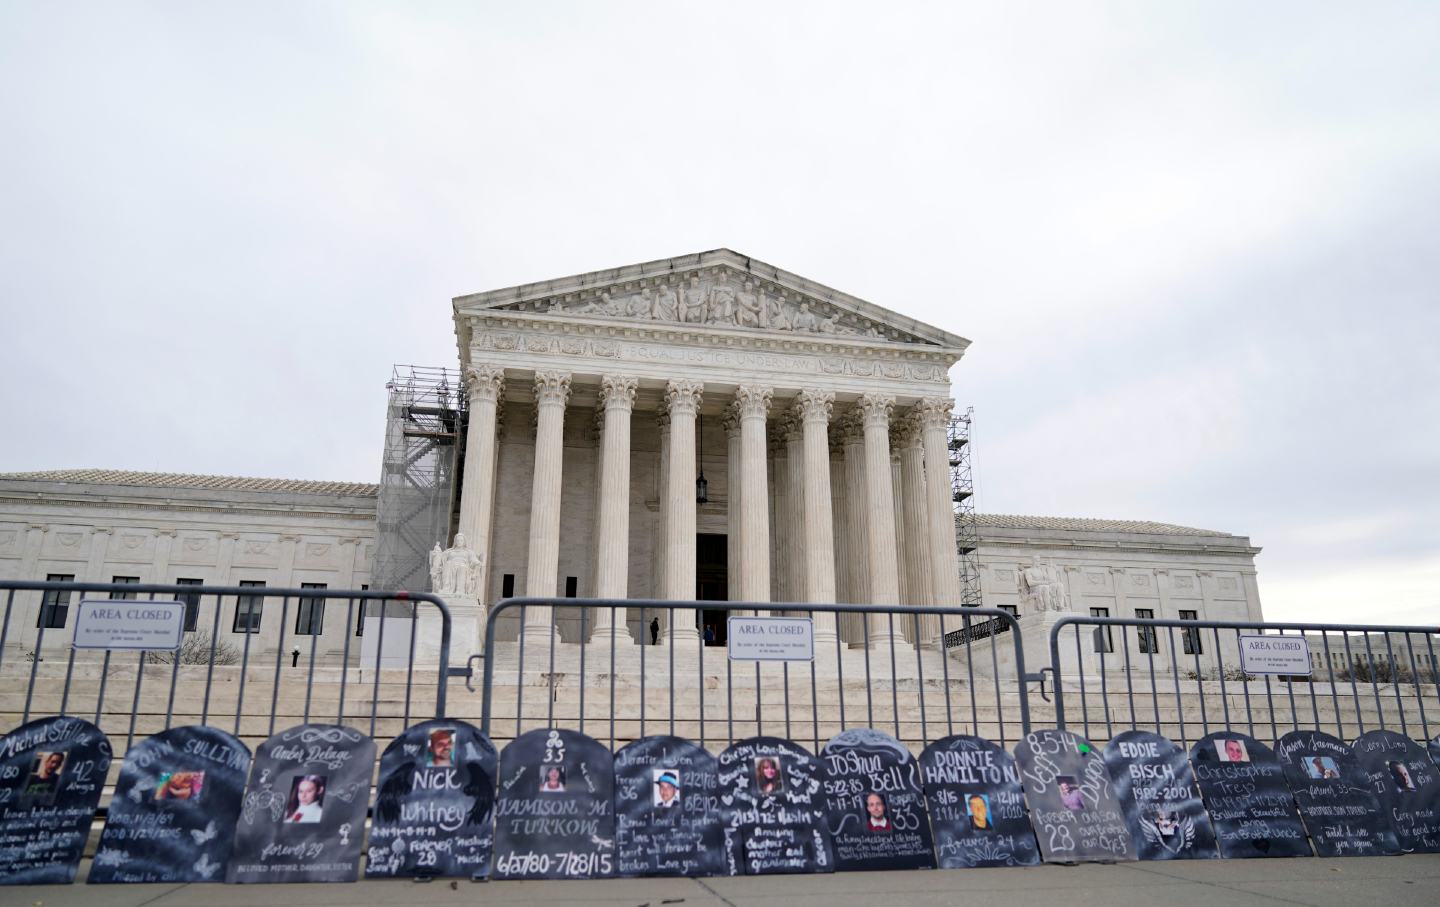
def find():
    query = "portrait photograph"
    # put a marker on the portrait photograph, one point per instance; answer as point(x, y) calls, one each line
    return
point(44, 778)
point(1070, 796)
point(1400, 773)
point(877, 813)
point(440, 749)
point(977, 807)
point(180, 786)
point(552, 779)
point(768, 780)
point(666, 788)
point(1321, 768)
point(1231, 751)
point(307, 799)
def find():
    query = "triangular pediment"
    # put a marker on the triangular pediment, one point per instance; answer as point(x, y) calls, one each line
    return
point(720, 289)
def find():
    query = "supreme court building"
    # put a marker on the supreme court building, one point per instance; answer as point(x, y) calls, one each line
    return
point(817, 420)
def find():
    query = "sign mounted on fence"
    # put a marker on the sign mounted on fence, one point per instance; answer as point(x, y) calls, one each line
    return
point(1289, 655)
point(771, 639)
point(108, 624)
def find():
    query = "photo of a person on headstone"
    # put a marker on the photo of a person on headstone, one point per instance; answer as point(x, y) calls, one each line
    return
point(180, 786)
point(877, 819)
point(767, 776)
point(1231, 750)
point(1166, 823)
point(442, 744)
point(1070, 794)
point(1403, 782)
point(667, 788)
point(552, 779)
point(45, 774)
point(977, 806)
point(1321, 768)
point(307, 799)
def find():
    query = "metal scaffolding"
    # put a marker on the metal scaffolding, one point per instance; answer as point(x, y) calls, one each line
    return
point(419, 477)
point(962, 493)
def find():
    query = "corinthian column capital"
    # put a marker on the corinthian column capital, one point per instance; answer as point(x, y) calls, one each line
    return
point(812, 405)
point(875, 409)
point(752, 401)
point(933, 412)
point(485, 382)
point(552, 388)
point(683, 397)
point(617, 392)
point(907, 431)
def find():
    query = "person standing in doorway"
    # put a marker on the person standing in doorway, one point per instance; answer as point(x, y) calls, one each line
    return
point(655, 631)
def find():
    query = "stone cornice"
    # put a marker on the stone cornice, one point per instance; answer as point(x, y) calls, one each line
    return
point(166, 505)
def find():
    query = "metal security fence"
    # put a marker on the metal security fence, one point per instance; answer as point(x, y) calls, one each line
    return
point(253, 660)
point(607, 686)
point(1186, 678)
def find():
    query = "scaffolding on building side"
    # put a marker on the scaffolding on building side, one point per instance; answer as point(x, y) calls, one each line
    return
point(419, 475)
point(962, 494)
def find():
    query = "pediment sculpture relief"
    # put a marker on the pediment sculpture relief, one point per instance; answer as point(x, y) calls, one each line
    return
point(721, 301)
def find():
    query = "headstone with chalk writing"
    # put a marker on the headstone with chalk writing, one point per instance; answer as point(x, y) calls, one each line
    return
point(1434, 749)
point(772, 809)
point(667, 809)
point(1162, 803)
point(1073, 804)
point(875, 803)
point(1250, 804)
point(303, 816)
point(555, 811)
point(173, 815)
point(1407, 784)
point(1336, 801)
point(976, 804)
point(434, 803)
point(51, 773)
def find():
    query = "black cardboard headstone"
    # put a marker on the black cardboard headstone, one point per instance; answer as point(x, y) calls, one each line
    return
point(977, 806)
point(1407, 785)
point(51, 773)
point(772, 809)
point(1246, 795)
point(1072, 802)
point(172, 818)
point(555, 813)
point(1340, 810)
point(434, 803)
point(667, 809)
point(1162, 804)
point(875, 803)
point(303, 816)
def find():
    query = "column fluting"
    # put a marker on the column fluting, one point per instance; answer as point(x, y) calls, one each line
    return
point(612, 572)
point(552, 391)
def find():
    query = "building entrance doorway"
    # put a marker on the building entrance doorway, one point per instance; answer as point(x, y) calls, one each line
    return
point(711, 584)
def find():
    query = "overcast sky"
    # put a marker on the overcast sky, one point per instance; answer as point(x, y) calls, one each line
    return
point(1196, 246)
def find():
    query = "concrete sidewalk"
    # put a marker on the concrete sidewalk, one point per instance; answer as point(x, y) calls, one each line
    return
point(1410, 881)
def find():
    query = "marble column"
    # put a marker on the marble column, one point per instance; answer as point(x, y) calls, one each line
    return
point(752, 404)
point(917, 528)
point(795, 553)
point(879, 498)
point(552, 391)
point(778, 512)
point(486, 385)
point(812, 407)
point(662, 554)
point(857, 518)
point(933, 415)
point(683, 402)
point(840, 507)
point(731, 423)
point(897, 498)
point(612, 568)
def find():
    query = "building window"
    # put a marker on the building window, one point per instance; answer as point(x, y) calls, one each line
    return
point(1103, 640)
point(572, 584)
point(310, 615)
point(128, 580)
point(507, 586)
point(1010, 610)
point(192, 602)
point(248, 609)
point(360, 623)
point(55, 606)
point(1149, 645)
point(1191, 635)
